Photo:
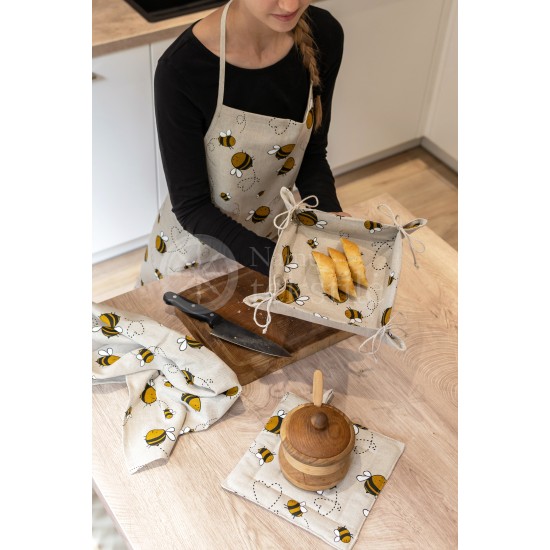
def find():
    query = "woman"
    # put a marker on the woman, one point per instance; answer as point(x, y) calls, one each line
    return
point(243, 104)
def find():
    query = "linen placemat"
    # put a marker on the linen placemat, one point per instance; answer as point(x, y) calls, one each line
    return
point(335, 515)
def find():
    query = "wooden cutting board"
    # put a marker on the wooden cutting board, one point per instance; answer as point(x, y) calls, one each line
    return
point(224, 295)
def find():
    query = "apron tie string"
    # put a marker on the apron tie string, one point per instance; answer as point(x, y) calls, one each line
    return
point(385, 209)
point(266, 298)
point(292, 206)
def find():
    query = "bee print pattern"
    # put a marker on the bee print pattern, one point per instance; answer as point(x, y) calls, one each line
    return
point(158, 274)
point(391, 278)
point(287, 166)
point(354, 316)
point(189, 378)
point(386, 316)
point(264, 455)
point(343, 297)
point(373, 484)
point(260, 194)
point(110, 328)
point(168, 413)
point(313, 243)
point(241, 161)
point(145, 257)
point(287, 259)
point(226, 139)
point(342, 535)
point(310, 119)
point(107, 358)
point(192, 400)
point(160, 242)
point(149, 394)
point(372, 226)
point(297, 509)
point(144, 356)
point(282, 152)
point(259, 215)
point(231, 392)
point(127, 414)
point(291, 294)
point(154, 438)
point(309, 218)
point(225, 196)
point(273, 425)
point(188, 341)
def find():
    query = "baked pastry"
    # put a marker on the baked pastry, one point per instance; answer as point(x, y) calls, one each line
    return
point(356, 266)
point(343, 273)
point(327, 274)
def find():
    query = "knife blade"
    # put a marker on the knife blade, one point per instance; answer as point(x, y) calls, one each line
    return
point(224, 329)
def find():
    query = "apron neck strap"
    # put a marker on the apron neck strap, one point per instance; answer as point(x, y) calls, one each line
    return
point(221, 80)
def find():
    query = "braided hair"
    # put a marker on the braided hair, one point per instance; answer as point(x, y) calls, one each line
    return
point(303, 39)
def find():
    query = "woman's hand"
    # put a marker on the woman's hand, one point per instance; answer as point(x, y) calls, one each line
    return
point(342, 214)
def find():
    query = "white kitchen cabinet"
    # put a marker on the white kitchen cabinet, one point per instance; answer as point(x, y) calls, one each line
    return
point(124, 196)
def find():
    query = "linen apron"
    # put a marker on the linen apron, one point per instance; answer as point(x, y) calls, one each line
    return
point(249, 158)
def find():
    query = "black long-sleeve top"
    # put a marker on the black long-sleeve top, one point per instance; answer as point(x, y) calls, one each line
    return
point(186, 88)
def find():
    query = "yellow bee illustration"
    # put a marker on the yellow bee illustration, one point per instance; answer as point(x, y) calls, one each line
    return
point(373, 484)
point(372, 226)
point(413, 224)
point(287, 259)
point(168, 384)
point(265, 455)
point(149, 394)
point(153, 438)
point(386, 316)
point(192, 400)
point(354, 316)
point(291, 294)
point(189, 378)
point(226, 139)
point(231, 391)
point(111, 321)
point(160, 242)
point(127, 414)
point(191, 264)
point(391, 278)
point(260, 194)
point(296, 508)
point(145, 356)
point(343, 297)
point(309, 218)
point(241, 162)
point(342, 535)
point(158, 274)
point(188, 341)
point(107, 358)
point(168, 413)
point(259, 215)
point(357, 427)
point(225, 196)
point(273, 425)
point(313, 242)
point(310, 119)
point(287, 166)
point(146, 255)
point(186, 430)
point(282, 152)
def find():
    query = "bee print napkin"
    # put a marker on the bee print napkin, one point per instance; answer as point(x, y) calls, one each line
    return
point(335, 515)
point(175, 384)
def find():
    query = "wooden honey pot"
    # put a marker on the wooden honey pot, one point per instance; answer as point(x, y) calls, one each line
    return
point(316, 443)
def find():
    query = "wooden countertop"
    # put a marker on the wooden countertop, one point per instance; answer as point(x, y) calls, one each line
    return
point(117, 26)
point(410, 396)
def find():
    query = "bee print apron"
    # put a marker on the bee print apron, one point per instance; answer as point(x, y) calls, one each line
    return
point(249, 158)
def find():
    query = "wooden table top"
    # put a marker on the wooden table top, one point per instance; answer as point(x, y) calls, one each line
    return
point(410, 396)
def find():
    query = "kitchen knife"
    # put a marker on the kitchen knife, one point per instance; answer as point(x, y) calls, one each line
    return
point(226, 330)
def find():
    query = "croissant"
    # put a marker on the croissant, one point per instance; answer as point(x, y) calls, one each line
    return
point(343, 273)
point(327, 274)
point(353, 255)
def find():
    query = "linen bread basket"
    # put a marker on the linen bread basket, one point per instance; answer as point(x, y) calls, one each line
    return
point(294, 284)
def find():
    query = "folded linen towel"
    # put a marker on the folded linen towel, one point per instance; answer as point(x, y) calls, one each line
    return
point(175, 384)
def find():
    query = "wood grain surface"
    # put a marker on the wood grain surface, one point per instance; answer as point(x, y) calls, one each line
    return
point(225, 294)
point(410, 396)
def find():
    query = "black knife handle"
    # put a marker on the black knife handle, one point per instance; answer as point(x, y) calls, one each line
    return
point(191, 308)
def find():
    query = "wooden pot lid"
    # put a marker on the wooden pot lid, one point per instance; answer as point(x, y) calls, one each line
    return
point(318, 432)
